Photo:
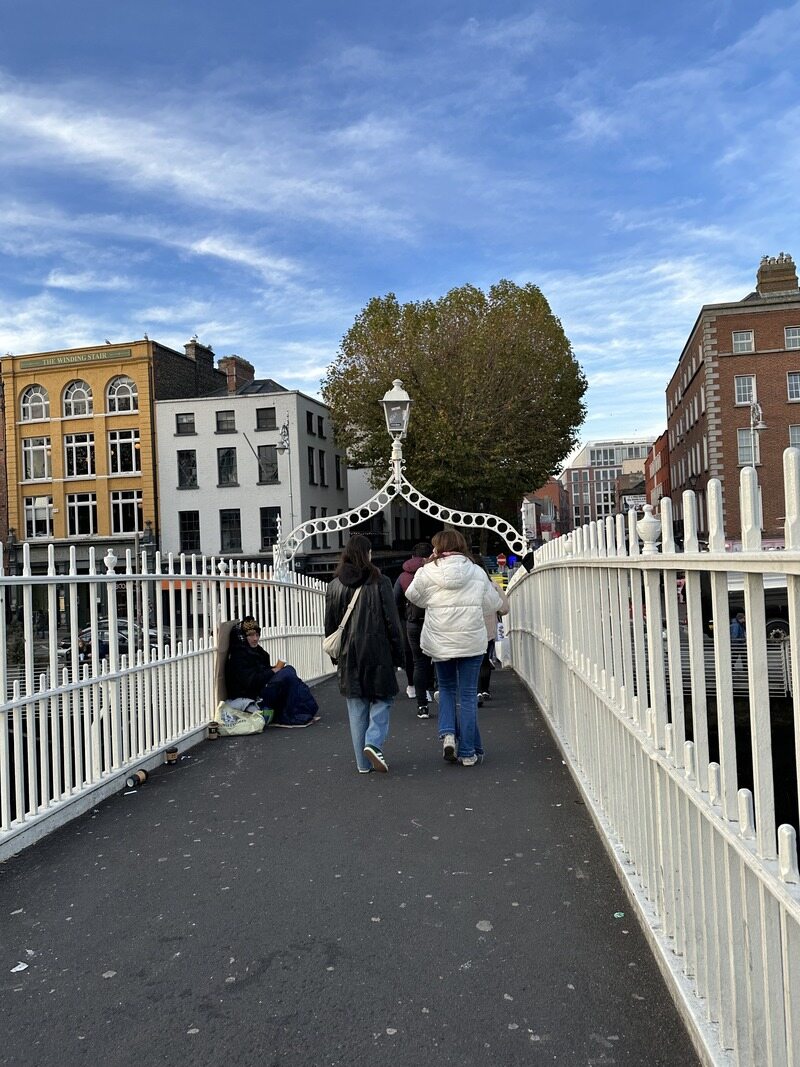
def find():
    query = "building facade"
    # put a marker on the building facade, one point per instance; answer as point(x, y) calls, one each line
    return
point(590, 479)
point(244, 462)
point(734, 398)
point(656, 470)
point(80, 443)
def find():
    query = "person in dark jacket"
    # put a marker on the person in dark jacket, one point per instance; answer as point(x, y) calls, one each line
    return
point(414, 617)
point(249, 672)
point(372, 648)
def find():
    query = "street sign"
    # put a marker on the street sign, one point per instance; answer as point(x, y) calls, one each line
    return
point(501, 560)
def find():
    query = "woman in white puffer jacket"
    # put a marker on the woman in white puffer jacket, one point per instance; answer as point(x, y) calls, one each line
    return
point(456, 595)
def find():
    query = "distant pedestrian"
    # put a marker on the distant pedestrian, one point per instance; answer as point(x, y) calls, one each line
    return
point(738, 627)
point(412, 619)
point(456, 595)
point(372, 649)
point(491, 618)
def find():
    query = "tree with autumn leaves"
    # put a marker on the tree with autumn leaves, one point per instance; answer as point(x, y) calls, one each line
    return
point(497, 393)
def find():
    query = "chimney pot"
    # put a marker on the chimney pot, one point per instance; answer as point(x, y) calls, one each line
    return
point(776, 275)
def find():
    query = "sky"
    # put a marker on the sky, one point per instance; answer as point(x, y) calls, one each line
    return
point(253, 172)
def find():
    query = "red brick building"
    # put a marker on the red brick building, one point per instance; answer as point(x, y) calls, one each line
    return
point(656, 470)
point(735, 393)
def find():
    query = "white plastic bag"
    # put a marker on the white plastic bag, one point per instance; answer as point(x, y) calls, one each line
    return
point(238, 721)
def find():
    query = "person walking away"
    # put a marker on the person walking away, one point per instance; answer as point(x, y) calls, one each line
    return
point(456, 595)
point(372, 649)
point(491, 618)
point(423, 682)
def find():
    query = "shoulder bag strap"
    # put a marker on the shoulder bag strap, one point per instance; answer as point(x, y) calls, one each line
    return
point(350, 607)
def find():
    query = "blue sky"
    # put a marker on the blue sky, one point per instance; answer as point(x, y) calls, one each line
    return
point(255, 172)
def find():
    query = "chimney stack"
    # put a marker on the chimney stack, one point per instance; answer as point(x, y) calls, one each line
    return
point(200, 353)
point(777, 275)
point(237, 371)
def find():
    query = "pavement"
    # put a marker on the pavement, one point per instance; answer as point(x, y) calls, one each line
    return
point(262, 903)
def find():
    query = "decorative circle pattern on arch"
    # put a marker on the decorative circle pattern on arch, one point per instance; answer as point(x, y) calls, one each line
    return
point(376, 503)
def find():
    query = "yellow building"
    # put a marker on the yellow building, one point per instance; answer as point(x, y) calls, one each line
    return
point(80, 443)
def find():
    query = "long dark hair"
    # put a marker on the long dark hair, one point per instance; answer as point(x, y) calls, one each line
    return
point(355, 554)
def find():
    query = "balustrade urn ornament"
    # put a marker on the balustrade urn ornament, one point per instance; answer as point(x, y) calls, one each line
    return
point(649, 530)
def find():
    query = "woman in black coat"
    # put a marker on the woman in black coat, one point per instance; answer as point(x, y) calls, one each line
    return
point(249, 673)
point(372, 647)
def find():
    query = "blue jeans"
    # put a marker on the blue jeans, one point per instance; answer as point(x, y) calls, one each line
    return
point(369, 725)
point(458, 684)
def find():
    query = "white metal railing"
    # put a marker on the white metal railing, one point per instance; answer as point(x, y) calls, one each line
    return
point(74, 723)
point(678, 763)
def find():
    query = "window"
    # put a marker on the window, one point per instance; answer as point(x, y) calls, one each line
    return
point(81, 514)
point(320, 426)
point(124, 453)
point(323, 514)
point(189, 531)
point(79, 455)
point(122, 394)
point(746, 440)
point(78, 399)
point(312, 514)
point(794, 436)
point(184, 423)
point(226, 422)
point(226, 466)
point(126, 511)
point(792, 336)
point(265, 419)
point(310, 423)
point(323, 478)
point(341, 532)
point(793, 378)
point(267, 464)
point(35, 404)
point(743, 341)
point(312, 474)
point(745, 388)
point(270, 517)
point(230, 530)
point(339, 473)
point(38, 517)
point(187, 469)
point(36, 459)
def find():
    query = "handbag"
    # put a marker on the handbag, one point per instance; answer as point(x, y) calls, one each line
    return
point(332, 644)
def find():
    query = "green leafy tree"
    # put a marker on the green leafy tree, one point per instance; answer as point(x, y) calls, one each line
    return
point(497, 393)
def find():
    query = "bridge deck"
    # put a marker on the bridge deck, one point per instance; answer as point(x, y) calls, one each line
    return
point(261, 903)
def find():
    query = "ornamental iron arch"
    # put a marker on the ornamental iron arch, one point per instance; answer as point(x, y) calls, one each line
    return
point(285, 550)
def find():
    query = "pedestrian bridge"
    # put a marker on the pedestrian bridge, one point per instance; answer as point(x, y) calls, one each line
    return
point(259, 896)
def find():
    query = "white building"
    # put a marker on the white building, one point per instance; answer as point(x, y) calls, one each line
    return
point(590, 478)
point(224, 484)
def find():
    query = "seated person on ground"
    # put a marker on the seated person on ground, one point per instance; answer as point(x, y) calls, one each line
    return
point(249, 673)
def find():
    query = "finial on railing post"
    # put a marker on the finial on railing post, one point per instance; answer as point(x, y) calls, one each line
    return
point(649, 530)
point(110, 561)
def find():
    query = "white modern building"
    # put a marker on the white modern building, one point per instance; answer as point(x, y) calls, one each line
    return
point(235, 464)
point(590, 477)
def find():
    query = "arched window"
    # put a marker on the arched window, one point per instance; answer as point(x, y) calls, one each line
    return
point(35, 404)
point(78, 399)
point(122, 394)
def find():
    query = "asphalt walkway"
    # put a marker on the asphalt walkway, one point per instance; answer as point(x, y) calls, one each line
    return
point(262, 903)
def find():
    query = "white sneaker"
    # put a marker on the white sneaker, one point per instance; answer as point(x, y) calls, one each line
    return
point(468, 761)
point(449, 748)
point(411, 692)
point(436, 695)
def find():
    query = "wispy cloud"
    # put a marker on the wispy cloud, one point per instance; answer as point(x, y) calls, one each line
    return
point(85, 281)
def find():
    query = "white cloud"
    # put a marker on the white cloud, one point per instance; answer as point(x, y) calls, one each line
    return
point(85, 281)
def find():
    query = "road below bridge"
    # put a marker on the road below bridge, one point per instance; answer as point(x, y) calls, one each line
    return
point(262, 903)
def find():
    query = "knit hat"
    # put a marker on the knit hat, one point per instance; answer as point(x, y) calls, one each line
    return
point(250, 626)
